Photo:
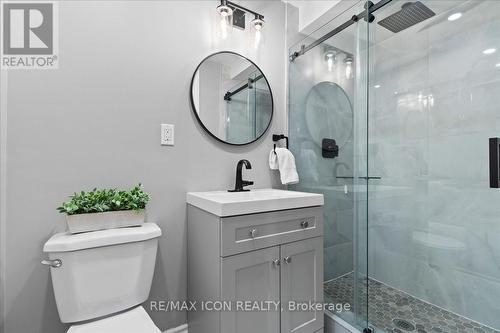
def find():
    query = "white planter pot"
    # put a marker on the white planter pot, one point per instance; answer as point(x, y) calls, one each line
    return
point(107, 220)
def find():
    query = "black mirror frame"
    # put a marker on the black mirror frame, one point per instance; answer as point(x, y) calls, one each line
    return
point(193, 107)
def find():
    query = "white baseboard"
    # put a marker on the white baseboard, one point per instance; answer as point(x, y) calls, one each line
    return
point(180, 329)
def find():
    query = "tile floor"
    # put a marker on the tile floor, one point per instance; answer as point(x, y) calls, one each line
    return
point(388, 305)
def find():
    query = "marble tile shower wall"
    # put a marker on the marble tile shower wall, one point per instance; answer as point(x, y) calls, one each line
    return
point(434, 225)
point(317, 173)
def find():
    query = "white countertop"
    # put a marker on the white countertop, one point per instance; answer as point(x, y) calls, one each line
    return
point(223, 203)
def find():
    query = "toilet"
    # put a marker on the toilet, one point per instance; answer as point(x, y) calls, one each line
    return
point(101, 278)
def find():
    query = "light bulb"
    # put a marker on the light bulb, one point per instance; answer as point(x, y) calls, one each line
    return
point(257, 26)
point(257, 38)
point(223, 28)
point(224, 20)
point(330, 59)
point(348, 67)
point(330, 63)
point(348, 71)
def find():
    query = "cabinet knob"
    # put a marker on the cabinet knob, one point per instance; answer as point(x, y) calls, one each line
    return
point(276, 262)
point(253, 233)
point(304, 224)
point(287, 260)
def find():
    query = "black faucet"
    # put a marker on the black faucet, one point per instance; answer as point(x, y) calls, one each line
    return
point(240, 183)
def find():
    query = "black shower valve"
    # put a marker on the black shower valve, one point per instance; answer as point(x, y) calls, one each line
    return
point(329, 148)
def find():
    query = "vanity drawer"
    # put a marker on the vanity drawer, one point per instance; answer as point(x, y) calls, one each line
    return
point(255, 231)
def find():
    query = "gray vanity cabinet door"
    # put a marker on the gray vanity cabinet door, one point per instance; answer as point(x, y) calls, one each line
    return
point(302, 281)
point(251, 276)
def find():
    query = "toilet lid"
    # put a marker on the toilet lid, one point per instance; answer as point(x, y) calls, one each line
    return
point(132, 321)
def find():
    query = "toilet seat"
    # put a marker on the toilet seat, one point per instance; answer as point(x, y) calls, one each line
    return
point(132, 321)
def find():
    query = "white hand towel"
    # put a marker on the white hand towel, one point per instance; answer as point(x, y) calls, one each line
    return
point(273, 160)
point(286, 166)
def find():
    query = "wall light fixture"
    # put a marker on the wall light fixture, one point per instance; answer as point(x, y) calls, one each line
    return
point(230, 14)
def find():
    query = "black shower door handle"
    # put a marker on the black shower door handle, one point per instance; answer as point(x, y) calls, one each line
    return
point(495, 162)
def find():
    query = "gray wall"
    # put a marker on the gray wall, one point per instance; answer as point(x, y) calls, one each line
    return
point(125, 67)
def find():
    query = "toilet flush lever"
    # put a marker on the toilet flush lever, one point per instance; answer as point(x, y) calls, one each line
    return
point(56, 263)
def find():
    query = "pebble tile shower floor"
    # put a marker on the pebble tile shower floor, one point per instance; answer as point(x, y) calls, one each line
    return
point(388, 306)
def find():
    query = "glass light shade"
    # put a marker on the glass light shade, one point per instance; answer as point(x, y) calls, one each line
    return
point(348, 67)
point(224, 21)
point(348, 71)
point(330, 58)
point(257, 27)
point(329, 62)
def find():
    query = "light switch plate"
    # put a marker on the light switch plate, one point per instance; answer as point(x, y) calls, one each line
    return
point(167, 134)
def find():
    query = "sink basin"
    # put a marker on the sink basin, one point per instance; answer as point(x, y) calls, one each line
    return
point(223, 203)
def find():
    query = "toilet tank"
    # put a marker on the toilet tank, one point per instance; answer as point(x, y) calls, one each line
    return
point(102, 272)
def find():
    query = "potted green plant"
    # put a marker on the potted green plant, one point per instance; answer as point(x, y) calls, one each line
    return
point(105, 209)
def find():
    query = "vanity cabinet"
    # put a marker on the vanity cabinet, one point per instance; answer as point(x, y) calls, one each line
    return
point(268, 259)
point(251, 276)
point(302, 280)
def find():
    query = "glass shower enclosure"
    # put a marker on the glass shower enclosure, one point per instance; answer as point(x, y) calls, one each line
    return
point(391, 108)
point(243, 122)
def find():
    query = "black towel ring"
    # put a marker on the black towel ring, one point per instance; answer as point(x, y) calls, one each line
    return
point(277, 137)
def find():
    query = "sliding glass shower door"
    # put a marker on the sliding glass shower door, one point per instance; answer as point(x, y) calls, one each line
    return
point(390, 118)
point(328, 100)
point(433, 220)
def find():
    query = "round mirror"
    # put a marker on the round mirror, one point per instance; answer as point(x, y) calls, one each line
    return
point(329, 113)
point(231, 98)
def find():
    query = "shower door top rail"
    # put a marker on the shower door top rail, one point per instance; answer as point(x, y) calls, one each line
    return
point(371, 9)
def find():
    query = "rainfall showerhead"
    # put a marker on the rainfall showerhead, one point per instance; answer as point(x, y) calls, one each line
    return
point(410, 14)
